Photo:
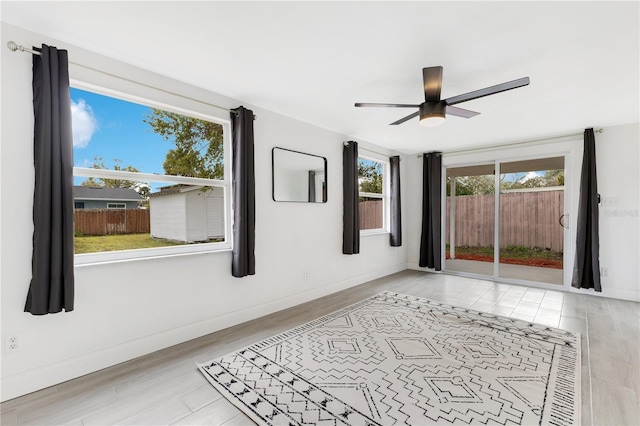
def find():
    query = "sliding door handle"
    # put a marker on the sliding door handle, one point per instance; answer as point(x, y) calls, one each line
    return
point(564, 223)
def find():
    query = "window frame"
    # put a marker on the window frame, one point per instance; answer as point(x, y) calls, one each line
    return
point(110, 206)
point(385, 196)
point(178, 250)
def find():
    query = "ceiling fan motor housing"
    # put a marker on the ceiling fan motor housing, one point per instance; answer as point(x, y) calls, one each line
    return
point(432, 109)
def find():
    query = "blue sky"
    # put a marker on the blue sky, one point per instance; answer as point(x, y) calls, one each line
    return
point(111, 128)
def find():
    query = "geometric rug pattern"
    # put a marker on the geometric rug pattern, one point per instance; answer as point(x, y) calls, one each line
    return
point(398, 359)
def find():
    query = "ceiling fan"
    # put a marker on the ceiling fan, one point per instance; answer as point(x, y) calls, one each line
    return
point(433, 110)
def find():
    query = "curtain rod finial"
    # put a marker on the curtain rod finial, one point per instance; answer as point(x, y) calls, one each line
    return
point(12, 46)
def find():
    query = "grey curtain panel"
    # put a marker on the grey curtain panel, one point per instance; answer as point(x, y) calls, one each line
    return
point(52, 283)
point(586, 268)
point(394, 198)
point(244, 193)
point(350, 199)
point(312, 186)
point(430, 241)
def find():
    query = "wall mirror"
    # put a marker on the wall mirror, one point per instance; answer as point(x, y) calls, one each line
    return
point(299, 177)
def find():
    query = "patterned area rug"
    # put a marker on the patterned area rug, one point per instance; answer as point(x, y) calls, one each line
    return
point(397, 359)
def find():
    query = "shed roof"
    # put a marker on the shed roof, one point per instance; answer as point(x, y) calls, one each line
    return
point(99, 193)
point(175, 189)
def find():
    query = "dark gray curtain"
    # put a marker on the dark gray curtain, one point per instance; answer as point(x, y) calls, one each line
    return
point(312, 186)
point(586, 268)
point(394, 197)
point(243, 189)
point(430, 241)
point(350, 198)
point(52, 282)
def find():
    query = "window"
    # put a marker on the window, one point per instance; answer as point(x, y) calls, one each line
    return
point(373, 190)
point(160, 172)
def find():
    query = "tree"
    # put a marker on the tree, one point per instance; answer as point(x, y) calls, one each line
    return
point(553, 177)
point(472, 185)
point(370, 176)
point(141, 188)
point(547, 179)
point(198, 151)
point(484, 185)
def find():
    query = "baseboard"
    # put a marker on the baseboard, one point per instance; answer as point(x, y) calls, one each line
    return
point(612, 293)
point(42, 377)
point(417, 267)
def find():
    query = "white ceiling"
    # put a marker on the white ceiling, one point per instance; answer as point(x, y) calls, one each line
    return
point(313, 60)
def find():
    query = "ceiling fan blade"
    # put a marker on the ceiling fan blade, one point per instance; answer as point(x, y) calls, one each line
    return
point(432, 78)
point(487, 91)
point(408, 117)
point(460, 112)
point(360, 104)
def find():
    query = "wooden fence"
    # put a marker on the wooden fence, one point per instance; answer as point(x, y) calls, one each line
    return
point(112, 221)
point(529, 219)
point(370, 214)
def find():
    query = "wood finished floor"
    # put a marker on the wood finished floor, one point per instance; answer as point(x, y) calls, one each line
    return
point(166, 388)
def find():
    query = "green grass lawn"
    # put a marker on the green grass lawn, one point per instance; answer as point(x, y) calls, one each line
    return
point(516, 255)
point(511, 252)
point(90, 244)
point(519, 252)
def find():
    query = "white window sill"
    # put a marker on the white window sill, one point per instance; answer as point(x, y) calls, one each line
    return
point(102, 258)
point(373, 232)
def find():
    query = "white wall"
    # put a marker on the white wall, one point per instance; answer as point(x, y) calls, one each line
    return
point(617, 155)
point(618, 165)
point(124, 310)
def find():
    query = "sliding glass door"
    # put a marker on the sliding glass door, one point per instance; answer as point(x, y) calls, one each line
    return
point(531, 227)
point(470, 219)
point(523, 218)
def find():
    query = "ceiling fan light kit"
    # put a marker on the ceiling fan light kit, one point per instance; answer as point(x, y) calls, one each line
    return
point(433, 110)
point(432, 114)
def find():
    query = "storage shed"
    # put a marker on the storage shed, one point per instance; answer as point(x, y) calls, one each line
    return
point(187, 213)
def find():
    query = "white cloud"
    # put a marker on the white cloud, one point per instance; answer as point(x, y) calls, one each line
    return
point(83, 163)
point(83, 122)
point(530, 175)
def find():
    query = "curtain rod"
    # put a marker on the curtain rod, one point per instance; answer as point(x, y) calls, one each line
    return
point(550, 139)
point(13, 46)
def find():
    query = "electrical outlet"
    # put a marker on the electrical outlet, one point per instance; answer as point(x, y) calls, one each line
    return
point(12, 343)
point(604, 271)
point(306, 275)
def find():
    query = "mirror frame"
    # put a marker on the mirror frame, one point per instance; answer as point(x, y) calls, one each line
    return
point(273, 176)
